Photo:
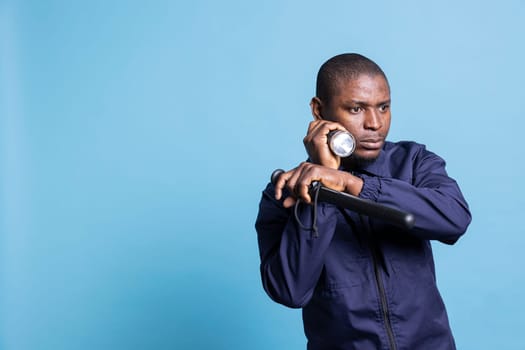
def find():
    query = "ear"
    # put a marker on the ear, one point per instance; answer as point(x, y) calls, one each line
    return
point(316, 106)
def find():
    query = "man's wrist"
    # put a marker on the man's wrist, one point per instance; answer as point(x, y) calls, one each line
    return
point(353, 184)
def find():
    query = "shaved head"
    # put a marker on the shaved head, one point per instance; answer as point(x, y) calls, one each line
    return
point(342, 68)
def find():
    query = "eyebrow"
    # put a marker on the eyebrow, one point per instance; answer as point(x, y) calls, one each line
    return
point(357, 102)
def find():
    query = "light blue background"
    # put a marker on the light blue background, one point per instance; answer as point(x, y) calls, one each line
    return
point(135, 141)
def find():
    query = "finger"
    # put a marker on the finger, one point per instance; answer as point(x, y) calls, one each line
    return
point(314, 129)
point(289, 202)
point(300, 183)
point(326, 126)
point(292, 180)
point(313, 125)
point(304, 183)
point(279, 185)
point(318, 131)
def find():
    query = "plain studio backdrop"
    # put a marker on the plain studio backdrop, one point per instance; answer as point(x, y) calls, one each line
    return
point(136, 139)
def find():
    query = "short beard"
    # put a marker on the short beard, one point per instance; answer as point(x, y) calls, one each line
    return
point(356, 162)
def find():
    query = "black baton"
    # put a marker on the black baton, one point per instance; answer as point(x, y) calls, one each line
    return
point(359, 205)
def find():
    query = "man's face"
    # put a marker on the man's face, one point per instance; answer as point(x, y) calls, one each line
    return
point(362, 106)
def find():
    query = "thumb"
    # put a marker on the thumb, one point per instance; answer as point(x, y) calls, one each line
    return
point(289, 202)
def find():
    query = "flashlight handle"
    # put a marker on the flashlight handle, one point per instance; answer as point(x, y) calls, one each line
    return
point(359, 205)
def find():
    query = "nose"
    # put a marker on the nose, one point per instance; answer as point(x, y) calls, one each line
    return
point(373, 120)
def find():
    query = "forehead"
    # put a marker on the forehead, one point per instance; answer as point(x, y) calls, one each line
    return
point(365, 88)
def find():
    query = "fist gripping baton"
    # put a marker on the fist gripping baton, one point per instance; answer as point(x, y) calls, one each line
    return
point(359, 205)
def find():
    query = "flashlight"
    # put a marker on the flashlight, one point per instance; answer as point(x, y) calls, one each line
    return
point(341, 143)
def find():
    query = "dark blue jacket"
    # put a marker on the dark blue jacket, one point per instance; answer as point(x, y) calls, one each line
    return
point(363, 283)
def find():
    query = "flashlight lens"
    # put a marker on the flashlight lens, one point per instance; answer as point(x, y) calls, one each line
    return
point(342, 143)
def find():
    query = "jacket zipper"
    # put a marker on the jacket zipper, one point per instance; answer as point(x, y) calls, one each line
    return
point(384, 304)
point(379, 283)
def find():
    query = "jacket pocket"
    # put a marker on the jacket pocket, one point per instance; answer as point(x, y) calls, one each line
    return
point(340, 274)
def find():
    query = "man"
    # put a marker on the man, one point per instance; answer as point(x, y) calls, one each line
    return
point(362, 283)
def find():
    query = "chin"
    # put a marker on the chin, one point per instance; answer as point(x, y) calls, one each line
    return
point(357, 160)
point(367, 155)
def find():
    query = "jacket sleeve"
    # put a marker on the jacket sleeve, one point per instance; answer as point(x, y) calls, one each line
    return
point(440, 211)
point(291, 255)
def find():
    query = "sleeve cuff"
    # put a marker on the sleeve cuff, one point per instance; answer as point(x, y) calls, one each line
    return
point(371, 187)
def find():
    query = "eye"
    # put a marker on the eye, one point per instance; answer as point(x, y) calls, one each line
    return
point(384, 107)
point(355, 109)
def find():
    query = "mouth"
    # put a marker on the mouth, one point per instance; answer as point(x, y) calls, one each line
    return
point(371, 143)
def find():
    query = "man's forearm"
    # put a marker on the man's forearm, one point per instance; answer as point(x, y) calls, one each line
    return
point(291, 256)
